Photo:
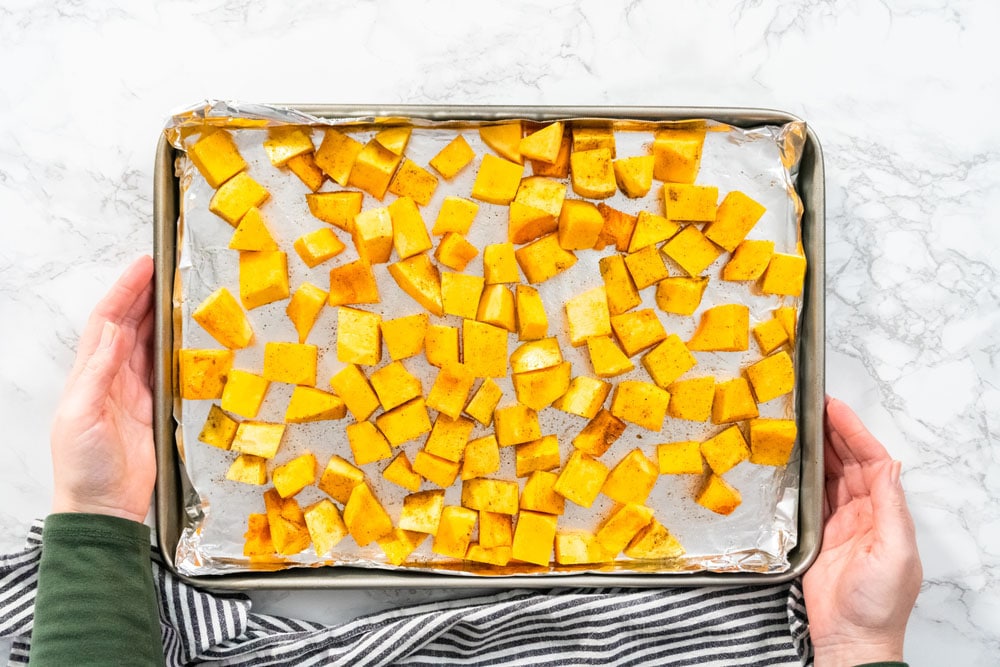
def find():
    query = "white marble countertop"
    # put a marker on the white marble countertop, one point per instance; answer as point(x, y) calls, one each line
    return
point(898, 93)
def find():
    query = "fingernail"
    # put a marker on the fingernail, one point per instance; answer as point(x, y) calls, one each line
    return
point(107, 336)
point(897, 467)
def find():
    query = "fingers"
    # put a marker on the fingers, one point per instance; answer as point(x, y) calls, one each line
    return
point(890, 515)
point(857, 451)
point(90, 391)
point(142, 345)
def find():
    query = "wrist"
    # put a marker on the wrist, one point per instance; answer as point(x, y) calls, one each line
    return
point(854, 653)
point(70, 506)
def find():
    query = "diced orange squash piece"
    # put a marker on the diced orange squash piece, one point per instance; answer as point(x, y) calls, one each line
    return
point(634, 175)
point(295, 475)
point(541, 454)
point(690, 203)
point(244, 393)
point(404, 423)
point(326, 526)
point(586, 138)
point(668, 361)
point(455, 215)
point(748, 261)
point(646, 267)
point(441, 345)
point(449, 437)
point(219, 429)
point(544, 194)
point(294, 363)
point(455, 252)
point(484, 402)
point(287, 524)
point(585, 396)
point(309, 404)
point(588, 315)
point(372, 234)
point(421, 511)
point(638, 330)
point(339, 478)
point(401, 473)
point(418, 277)
point(538, 494)
point(484, 349)
point(252, 233)
point(318, 246)
point(497, 180)
point(592, 174)
point(409, 233)
point(496, 307)
point(534, 537)
point(399, 544)
point(692, 399)
point(373, 169)
point(770, 335)
point(606, 358)
point(680, 295)
point(677, 154)
point(237, 196)
point(263, 278)
point(536, 355)
point(619, 288)
point(353, 388)
point(542, 145)
point(723, 328)
point(581, 479)
point(216, 157)
point(394, 385)
point(336, 208)
point(692, 251)
point(499, 264)
point(202, 373)
point(560, 167)
point(654, 542)
point(495, 529)
point(772, 441)
point(641, 403)
point(580, 224)
point(365, 517)
point(516, 424)
point(532, 322)
point(223, 318)
point(538, 389)
point(680, 458)
point(651, 229)
point(725, 450)
point(359, 336)
point(248, 469)
point(404, 336)
point(304, 166)
point(632, 478)
point(336, 155)
point(621, 526)
point(526, 223)
point(772, 376)
point(451, 390)
point(304, 308)
point(482, 457)
point(733, 402)
point(258, 438)
point(453, 158)
point(504, 138)
point(618, 228)
point(413, 181)
point(579, 547)
point(454, 531)
point(599, 434)
point(285, 142)
point(490, 495)
point(785, 274)
point(543, 259)
point(736, 216)
point(352, 283)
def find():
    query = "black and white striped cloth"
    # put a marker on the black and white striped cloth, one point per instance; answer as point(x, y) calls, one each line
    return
point(679, 626)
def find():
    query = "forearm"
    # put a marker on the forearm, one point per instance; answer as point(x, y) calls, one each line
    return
point(96, 602)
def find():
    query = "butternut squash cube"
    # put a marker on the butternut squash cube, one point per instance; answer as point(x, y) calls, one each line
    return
point(365, 517)
point(534, 537)
point(252, 233)
point(216, 157)
point(772, 441)
point(405, 422)
point(367, 443)
point(618, 286)
point(748, 260)
point(294, 363)
point(451, 390)
point(632, 479)
point(736, 216)
point(484, 349)
point(588, 316)
point(581, 479)
point(541, 454)
point(409, 233)
point(500, 264)
point(646, 267)
point(202, 373)
point(618, 228)
point(592, 174)
point(651, 229)
point(772, 376)
point(455, 216)
point(770, 335)
point(394, 138)
point(413, 181)
point(680, 458)
point(668, 361)
point(638, 330)
point(724, 328)
point(617, 530)
point(309, 404)
point(237, 196)
point(495, 529)
point(372, 234)
point(441, 345)
point(455, 252)
point(692, 399)
point(419, 278)
point(373, 169)
point(352, 283)
point(394, 385)
point(497, 180)
point(258, 438)
point(588, 138)
point(654, 542)
point(498, 556)
point(607, 358)
point(532, 322)
point(680, 295)
point(248, 469)
point(692, 251)
point(336, 208)
point(538, 494)
point(538, 389)
point(304, 166)
point(536, 355)
point(287, 524)
point(718, 495)
point(359, 336)
point(725, 450)
point(353, 388)
point(484, 402)
point(543, 259)
point(490, 495)
point(316, 247)
point(677, 154)
point(690, 203)
point(219, 428)
point(454, 531)
point(584, 397)
point(223, 318)
point(542, 145)
point(496, 307)
point(482, 457)
point(580, 224)
point(788, 316)
point(449, 437)
point(244, 393)
point(258, 538)
point(453, 158)
point(336, 155)
point(504, 138)
point(579, 547)
point(516, 424)
point(339, 478)
point(642, 403)
point(295, 475)
point(526, 223)
point(543, 194)
point(404, 336)
point(785, 275)
point(733, 402)
point(400, 472)
point(560, 167)
point(263, 278)
point(422, 511)
point(634, 175)
point(284, 143)
point(399, 544)
point(599, 434)
point(304, 307)
point(326, 526)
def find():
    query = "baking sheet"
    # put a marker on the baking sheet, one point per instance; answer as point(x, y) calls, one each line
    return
point(754, 162)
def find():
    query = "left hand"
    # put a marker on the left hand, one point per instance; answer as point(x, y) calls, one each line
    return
point(103, 460)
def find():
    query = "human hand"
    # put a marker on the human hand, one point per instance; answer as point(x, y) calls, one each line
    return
point(102, 438)
point(860, 591)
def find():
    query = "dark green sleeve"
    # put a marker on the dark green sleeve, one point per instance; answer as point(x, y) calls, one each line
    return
point(96, 601)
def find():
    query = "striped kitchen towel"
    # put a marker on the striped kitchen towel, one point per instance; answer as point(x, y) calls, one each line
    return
point(678, 626)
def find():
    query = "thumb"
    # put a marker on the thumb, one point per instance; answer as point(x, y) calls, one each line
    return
point(890, 514)
point(94, 382)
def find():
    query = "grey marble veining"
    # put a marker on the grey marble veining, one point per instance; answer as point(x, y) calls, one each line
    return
point(900, 93)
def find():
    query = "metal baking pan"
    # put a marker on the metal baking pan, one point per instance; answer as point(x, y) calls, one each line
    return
point(173, 487)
